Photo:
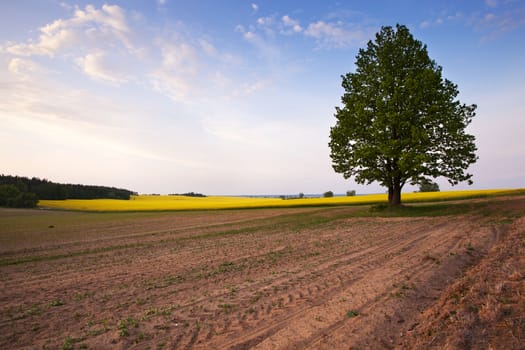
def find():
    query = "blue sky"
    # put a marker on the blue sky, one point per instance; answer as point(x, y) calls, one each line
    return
point(233, 97)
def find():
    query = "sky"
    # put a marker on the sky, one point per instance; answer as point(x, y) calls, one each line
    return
point(233, 97)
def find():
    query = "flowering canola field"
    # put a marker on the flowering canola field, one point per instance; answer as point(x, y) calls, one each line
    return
point(159, 203)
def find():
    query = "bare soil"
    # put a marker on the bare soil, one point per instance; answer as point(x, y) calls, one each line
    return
point(313, 278)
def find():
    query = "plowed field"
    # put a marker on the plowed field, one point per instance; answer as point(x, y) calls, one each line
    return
point(309, 278)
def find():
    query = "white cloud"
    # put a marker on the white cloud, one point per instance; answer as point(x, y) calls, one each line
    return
point(494, 24)
point(48, 45)
point(335, 34)
point(97, 67)
point(424, 24)
point(326, 34)
point(250, 36)
point(248, 89)
point(265, 21)
point(177, 72)
point(179, 58)
point(255, 7)
point(211, 51)
point(430, 23)
point(108, 23)
point(208, 48)
point(111, 16)
point(23, 68)
point(294, 24)
point(266, 49)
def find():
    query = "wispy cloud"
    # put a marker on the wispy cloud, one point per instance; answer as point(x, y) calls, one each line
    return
point(86, 27)
point(435, 22)
point(292, 23)
point(102, 42)
point(336, 35)
point(98, 40)
point(493, 24)
point(248, 89)
point(211, 51)
point(97, 66)
point(24, 68)
point(326, 33)
point(178, 70)
point(64, 115)
point(259, 40)
point(498, 18)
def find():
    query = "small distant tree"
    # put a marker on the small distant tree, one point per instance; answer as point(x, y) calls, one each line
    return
point(426, 185)
point(350, 193)
point(328, 194)
point(301, 195)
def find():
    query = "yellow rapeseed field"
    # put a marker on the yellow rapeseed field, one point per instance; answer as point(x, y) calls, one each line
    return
point(159, 203)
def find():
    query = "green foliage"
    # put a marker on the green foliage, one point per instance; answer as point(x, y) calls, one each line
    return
point(350, 193)
point(123, 326)
point(25, 200)
point(57, 302)
point(7, 193)
point(426, 185)
point(400, 120)
point(352, 313)
point(328, 194)
point(68, 343)
point(11, 196)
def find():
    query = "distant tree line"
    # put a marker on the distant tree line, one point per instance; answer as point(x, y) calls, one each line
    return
point(299, 196)
point(188, 194)
point(45, 189)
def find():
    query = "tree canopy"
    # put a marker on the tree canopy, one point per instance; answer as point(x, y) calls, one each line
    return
point(400, 120)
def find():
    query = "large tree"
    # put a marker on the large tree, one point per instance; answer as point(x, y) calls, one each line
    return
point(400, 120)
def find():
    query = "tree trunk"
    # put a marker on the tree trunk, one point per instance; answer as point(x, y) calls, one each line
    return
point(394, 195)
